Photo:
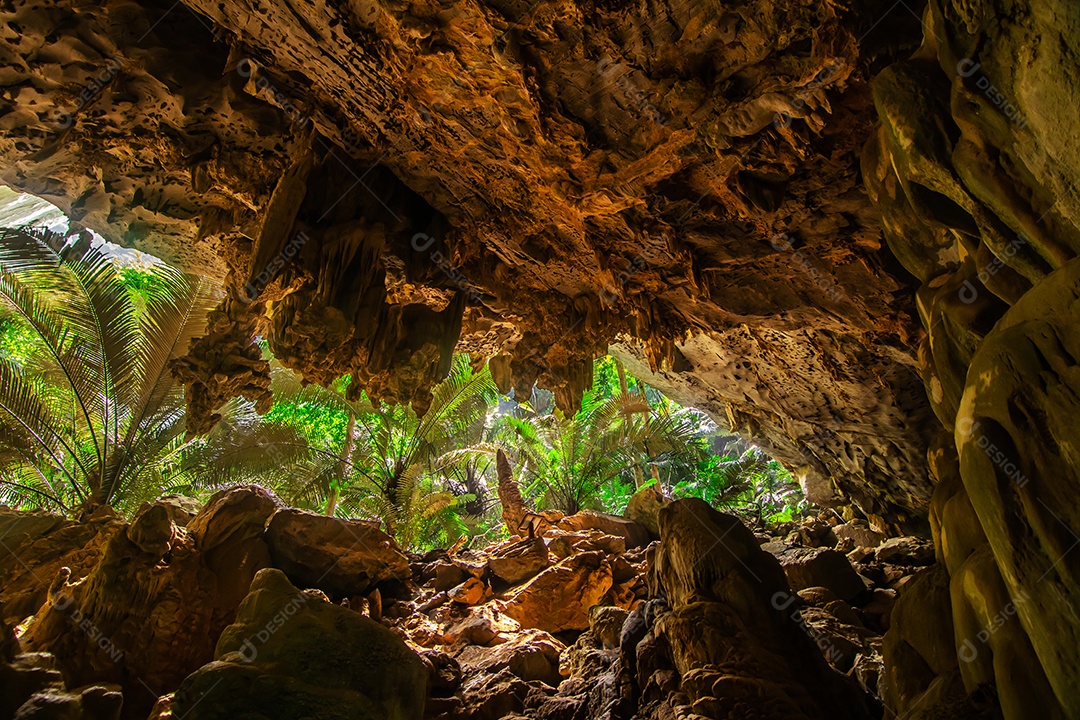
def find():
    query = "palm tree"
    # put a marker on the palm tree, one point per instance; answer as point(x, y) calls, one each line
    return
point(746, 480)
point(319, 450)
point(565, 461)
point(399, 468)
point(88, 405)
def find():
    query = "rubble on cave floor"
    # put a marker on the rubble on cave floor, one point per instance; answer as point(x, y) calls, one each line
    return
point(593, 618)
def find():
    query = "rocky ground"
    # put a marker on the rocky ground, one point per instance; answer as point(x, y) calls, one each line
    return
point(243, 608)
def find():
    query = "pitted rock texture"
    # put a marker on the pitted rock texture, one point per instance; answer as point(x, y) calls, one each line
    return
point(293, 654)
point(377, 183)
point(786, 212)
point(150, 610)
point(971, 170)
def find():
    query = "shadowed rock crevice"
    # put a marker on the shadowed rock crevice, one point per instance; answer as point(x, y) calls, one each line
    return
point(847, 230)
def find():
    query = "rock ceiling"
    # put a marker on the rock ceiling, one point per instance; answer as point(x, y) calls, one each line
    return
point(379, 182)
point(847, 229)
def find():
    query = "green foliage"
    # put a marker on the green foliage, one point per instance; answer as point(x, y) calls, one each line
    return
point(88, 407)
point(748, 482)
point(321, 425)
point(91, 416)
point(321, 451)
point(582, 461)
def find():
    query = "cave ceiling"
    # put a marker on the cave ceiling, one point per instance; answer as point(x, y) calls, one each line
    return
point(377, 183)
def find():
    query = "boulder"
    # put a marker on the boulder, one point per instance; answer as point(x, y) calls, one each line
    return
point(819, 567)
point(633, 533)
point(471, 592)
point(919, 650)
point(149, 612)
point(517, 561)
point(228, 513)
point(606, 624)
point(530, 655)
point(559, 598)
point(482, 626)
point(498, 696)
point(94, 702)
point(181, 509)
point(596, 540)
point(858, 533)
point(36, 545)
point(341, 557)
point(736, 637)
point(905, 551)
point(447, 575)
point(32, 688)
point(290, 654)
point(644, 509)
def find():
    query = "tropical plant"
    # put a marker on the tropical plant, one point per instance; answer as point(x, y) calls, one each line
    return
point(566, 461)
point(88, 405)
point(747, 481)
point(319, 450)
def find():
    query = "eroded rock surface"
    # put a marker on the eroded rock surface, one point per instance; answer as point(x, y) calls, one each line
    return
point(811, 219)
point(150, 611)
point(341, 557)
point(378, 183)
point(293, 654)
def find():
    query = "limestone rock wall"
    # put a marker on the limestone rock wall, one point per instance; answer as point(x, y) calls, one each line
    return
point(378, 182)
point(973, 171)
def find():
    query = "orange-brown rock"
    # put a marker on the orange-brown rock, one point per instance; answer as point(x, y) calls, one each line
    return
point(35, 546)
point(559, 598)
point(735, 637)
point(150, 610)
point(632, 533)
point(471, 592)
point(513, 562)
point(341, 557)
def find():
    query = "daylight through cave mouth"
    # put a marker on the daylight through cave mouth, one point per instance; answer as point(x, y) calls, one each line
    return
point(842, 232)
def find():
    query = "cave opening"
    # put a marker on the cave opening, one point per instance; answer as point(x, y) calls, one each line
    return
point(599, 241)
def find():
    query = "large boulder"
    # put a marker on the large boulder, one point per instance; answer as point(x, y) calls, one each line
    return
point(559, 598)
point(343, 558)
point(149, 612)
point(644, 508)
point(517, 561)
point(633, 533)
point(529, 655)
point(858, 534)
point(290, 654)
point(820, 567)
point(736, 637)
point(905, 551)
point(36, 545)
